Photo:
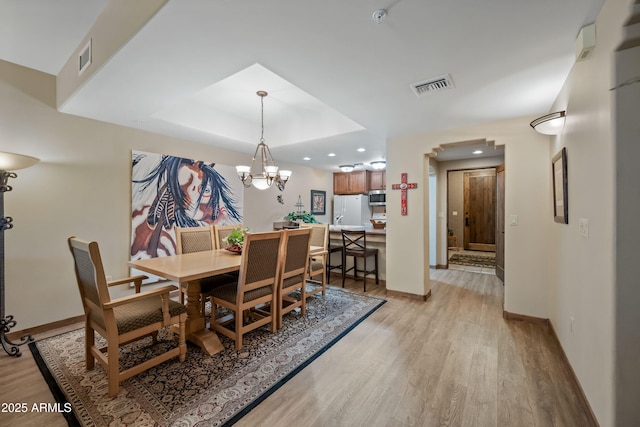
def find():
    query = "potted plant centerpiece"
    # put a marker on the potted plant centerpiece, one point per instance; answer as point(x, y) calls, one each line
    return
point(303, 216)
point(235, 240)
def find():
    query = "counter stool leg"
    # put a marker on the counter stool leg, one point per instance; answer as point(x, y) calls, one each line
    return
point(377, 282)
point(344, 264)
point(364, 278)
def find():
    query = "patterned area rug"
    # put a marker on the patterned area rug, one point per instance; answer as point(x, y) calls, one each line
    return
point(486, 261)
point(204, 390)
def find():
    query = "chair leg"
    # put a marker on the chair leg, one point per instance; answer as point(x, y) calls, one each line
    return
point(344, 265)
point(239, 318)
point(182, 345)
point(89, 341)
point(364, 278)
point(113, 367)
point(303, 296)
point(377, 282)
point(324, 281)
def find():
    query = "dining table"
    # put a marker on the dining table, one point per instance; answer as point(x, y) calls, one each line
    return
point(187, 270)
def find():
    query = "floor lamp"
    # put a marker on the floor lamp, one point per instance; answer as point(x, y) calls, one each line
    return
point(9, 162)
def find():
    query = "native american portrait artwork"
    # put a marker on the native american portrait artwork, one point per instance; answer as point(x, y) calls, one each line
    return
point(169, 192)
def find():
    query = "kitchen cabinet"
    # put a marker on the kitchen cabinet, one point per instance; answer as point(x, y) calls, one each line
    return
point(351, 182)
point(377, 180)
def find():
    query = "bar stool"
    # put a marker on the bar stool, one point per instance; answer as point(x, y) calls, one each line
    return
point(332, 249)
point(354, 244)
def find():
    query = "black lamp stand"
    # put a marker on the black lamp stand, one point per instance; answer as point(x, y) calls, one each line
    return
point(6, 321)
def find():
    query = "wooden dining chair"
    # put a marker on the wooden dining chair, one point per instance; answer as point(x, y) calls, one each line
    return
point(199, 239)
point(221, 232)
point(294, 270)
point(122, 320)
point(354, 244)
point(256, 288)
point(318, 260)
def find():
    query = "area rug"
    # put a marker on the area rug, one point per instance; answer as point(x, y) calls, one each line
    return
point(487, 261)
point(204, 390)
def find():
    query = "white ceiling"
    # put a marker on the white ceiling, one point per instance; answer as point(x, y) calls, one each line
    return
point(507, 58)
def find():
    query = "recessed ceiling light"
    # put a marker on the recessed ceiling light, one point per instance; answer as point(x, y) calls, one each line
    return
point(477, 152)
point(331, 154)
point(362, 149)
point(306, 158)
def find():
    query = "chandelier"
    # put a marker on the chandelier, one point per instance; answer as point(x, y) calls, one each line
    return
point(268, 173)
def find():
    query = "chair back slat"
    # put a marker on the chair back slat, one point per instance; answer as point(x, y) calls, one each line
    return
point(354, 240)
point(260, 261)
point(90, 277)
point(319, 234)
point(194, 239)
point(296, 257)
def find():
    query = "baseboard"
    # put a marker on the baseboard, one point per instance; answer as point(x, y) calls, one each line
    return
point(408, 295)
point(382, 282)
point(45, 328)
point(524, 318)
point(441, 267)
point(574, 378)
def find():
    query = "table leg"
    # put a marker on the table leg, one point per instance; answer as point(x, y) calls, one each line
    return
point(196, 329)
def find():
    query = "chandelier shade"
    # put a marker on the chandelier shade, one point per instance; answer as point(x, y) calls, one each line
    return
point(268, 173)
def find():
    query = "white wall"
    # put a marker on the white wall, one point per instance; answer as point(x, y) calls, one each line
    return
point(582, 268)
point(527, 194)
point(407, 236)
point(82, 187)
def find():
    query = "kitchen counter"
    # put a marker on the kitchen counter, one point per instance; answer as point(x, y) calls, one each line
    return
point(368, 230)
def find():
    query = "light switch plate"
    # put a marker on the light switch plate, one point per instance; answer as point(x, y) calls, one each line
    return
point(583, 226)
point(513, 220)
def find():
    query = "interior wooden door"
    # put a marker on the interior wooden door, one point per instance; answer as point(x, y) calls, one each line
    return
point(500, 222)
point(480, 210)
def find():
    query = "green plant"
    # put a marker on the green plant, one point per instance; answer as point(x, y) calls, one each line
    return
point(303, 216)
point(451, 232)
point(236, 236)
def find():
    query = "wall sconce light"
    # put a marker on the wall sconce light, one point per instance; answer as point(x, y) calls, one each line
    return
point(346, 168)
point(551, 124)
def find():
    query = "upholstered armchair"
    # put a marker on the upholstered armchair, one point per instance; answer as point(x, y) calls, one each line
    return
point(122, 320)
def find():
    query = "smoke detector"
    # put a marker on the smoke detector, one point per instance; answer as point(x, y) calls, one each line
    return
point(379, 15)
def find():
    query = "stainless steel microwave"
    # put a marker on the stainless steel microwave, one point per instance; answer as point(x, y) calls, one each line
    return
point(377, 198)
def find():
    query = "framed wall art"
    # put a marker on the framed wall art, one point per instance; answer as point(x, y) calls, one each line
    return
point(560, 187)
point(318, 202)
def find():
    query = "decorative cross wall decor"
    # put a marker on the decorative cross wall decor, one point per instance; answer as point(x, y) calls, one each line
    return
point(403, 186)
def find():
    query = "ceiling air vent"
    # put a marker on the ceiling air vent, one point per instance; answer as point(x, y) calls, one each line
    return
point(435, 84)
point(84, 59)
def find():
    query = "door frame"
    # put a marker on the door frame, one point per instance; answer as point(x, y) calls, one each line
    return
point(448, 202)
point(467, 244)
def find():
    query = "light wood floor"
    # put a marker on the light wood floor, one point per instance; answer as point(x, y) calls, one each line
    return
point(452, 361)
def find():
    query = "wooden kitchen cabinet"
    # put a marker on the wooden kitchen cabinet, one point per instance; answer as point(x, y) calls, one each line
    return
point(377, 180)
point(350, 182)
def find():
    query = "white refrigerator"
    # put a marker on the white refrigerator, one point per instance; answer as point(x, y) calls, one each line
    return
point(351, 210)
